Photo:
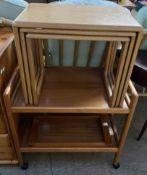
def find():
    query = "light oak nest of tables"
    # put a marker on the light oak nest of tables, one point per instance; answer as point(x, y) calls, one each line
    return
point(72, 109)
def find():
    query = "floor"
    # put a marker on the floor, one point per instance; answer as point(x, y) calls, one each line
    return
point(133, 161)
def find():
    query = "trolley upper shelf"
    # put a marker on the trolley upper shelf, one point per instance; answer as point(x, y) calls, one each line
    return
point(69, 90)
point(77, 17)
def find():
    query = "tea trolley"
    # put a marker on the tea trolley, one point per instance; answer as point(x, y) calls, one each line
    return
point(72, 108)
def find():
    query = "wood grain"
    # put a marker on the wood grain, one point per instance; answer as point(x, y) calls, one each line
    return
point(70, 90)
point(84, 17)
point(8, 62)
point(67, 131)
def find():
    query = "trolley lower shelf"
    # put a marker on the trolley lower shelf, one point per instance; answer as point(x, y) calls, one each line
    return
point(67, 133)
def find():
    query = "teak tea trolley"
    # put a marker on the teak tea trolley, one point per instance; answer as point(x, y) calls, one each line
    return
point(72, 109)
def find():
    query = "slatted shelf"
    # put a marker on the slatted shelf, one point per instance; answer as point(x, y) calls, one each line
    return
point(67, 132)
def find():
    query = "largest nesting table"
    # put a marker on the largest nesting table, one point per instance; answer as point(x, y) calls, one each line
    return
point(71, 109)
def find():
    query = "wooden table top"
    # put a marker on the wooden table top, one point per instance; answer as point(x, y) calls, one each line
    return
point(6, 37)
point(77, 17)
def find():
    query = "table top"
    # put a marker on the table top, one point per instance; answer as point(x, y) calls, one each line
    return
point(77, 17)
point(6, 37)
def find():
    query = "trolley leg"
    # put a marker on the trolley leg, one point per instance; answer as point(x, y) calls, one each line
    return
point(13, 131)
point(116, 165)
point(122, 140)
point(24, 166)
point(126, 126)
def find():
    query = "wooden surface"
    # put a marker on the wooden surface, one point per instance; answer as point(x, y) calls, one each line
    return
point(6, 151)
point(3, 129)
point(6, 37)
point(36, 70)
point(66, 131)
point(73, 90)
point(83, 17)
point(70, 90)
point(7, 65)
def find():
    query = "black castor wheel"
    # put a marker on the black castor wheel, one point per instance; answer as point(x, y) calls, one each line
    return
point(116, 165)
point(24, 166)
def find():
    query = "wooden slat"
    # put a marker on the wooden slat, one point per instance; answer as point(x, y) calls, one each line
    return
point(108, 56)
point(116, 136)
point(126, 67)
point(26, 66)
point(133, 57)
point(105, 127)
point(77, 37)
point(64, 145)
point(108, 86)
point(20, 62)
point(110, 75)
point(119, 72)
point(36, 78)
point(10, 162)
point(46, 51)
point(111, 65)
point(78, 32)
point(106, 69)
point(41, 65)
point(69, 149)
point(127, 98)
point(32, 71)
